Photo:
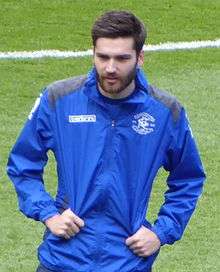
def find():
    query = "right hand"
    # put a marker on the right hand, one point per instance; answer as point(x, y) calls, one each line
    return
point(65, 225)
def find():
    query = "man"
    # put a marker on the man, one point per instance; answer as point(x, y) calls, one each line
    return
point(110, 132)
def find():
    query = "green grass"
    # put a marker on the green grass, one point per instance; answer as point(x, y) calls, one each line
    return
point(58, 24)
point(193, 76)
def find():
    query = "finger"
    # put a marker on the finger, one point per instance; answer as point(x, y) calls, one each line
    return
point(78, 221)
point(67, 211)
point(70, 233)
point(71, 225)
point(131, 240)
point(74, 217)
point(142, 255)
point(137, 252)
point(66, 236)
point(136, 246)
point(140, 252)
point(63, 234)
point(73, 229)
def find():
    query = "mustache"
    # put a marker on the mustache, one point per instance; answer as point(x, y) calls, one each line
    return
point(110, 76)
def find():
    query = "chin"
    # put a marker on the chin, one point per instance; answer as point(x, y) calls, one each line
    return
point(112, 91)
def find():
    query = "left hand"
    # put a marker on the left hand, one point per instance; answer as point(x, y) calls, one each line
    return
point(144, 242)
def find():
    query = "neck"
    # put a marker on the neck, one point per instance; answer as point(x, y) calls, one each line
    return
point(123, 94)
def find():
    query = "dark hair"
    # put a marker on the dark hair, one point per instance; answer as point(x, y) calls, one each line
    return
point(114, 24)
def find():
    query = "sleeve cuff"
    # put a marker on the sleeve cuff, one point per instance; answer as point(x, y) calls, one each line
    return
point(160, 234)
point(47, 213)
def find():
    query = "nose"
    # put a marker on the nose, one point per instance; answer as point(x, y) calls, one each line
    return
point(111, 66)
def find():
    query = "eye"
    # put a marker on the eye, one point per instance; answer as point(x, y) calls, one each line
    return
point(103, 57)
point(123, 58)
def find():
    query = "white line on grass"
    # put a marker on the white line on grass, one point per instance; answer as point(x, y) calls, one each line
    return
point(169, 46)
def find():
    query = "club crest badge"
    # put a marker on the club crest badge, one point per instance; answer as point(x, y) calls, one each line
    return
point(143, 123)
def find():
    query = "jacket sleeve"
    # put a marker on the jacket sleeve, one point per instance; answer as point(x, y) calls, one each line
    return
point(185, 182)
point(27, 160)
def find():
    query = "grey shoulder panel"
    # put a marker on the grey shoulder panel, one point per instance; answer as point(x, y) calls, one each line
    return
point(168, 100)
point(63, 87)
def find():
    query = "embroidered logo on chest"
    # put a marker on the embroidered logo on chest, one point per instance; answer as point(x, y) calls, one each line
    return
point(143, 123)
point(86, 118)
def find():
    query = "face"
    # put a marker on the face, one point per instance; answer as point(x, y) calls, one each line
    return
point(115, 61)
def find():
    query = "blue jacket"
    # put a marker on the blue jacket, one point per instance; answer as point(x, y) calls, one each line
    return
point(108, 153)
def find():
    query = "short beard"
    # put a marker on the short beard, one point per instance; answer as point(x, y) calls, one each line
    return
point(125, 82)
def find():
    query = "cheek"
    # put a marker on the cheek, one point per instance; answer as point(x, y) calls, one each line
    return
point(128, 69)
point(99, 66)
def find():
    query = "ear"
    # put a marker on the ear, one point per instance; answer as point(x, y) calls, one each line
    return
point(141, 58)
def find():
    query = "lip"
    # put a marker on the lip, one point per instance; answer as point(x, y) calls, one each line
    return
point(111, 79)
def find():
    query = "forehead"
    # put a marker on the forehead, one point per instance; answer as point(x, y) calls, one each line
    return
point(115, 46)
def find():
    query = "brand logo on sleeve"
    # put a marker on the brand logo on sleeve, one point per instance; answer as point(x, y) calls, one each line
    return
point(87, 118)
point(143, 123)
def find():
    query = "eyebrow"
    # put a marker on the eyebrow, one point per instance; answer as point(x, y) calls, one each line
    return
point(123, 56)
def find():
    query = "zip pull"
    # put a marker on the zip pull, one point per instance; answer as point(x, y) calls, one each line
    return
point(113, 123)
